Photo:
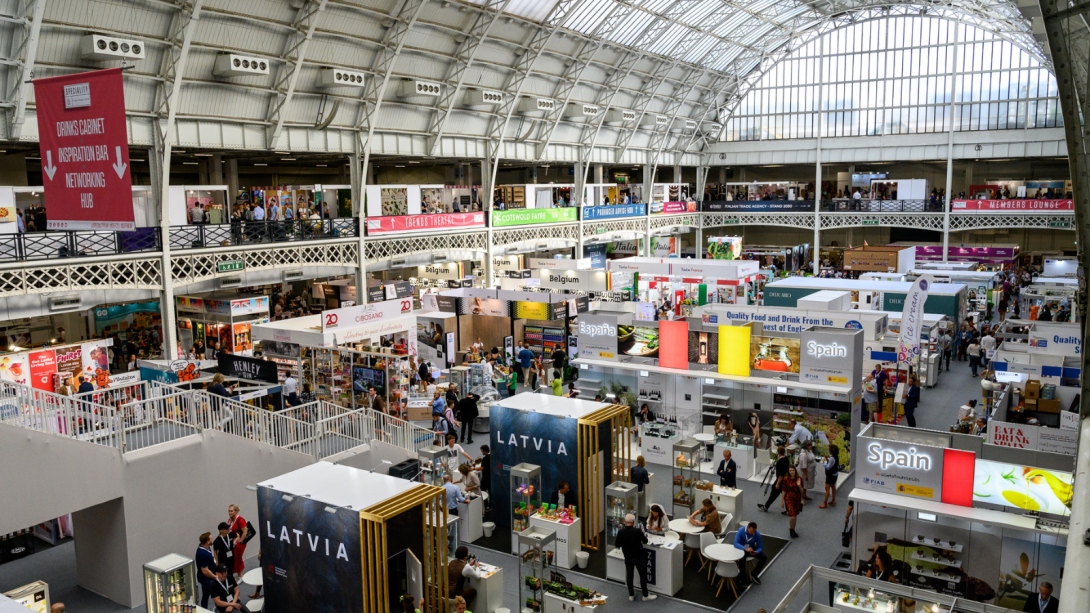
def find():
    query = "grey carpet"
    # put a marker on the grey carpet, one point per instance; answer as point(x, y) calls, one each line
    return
point(819, 530)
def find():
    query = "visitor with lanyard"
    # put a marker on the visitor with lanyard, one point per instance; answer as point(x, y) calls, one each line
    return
point(206, 567)
point(225, 592)
point(224, 548)
point(749, 541)
point(882, 570)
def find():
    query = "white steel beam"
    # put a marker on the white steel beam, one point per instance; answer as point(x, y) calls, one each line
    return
point(287, 74)
point(29, 47)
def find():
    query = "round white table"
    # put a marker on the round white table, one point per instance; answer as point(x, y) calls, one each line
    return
point(253, 577)
point(724, 553)
point(682, 526)
point(705, 439)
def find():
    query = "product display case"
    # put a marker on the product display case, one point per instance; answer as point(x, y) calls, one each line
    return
point(433, 464)
point(477, 376)
point(169, 584)
point(525, 494)
point(536, 551)
point(686, 463)
point(459, 375)
point(621, 499)
point(852, 598)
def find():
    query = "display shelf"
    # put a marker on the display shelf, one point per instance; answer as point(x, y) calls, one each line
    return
point(716, 397)
point(686, 464)
point(927, 572)
point(645, 399)
point(621, 499)
point(786, 412)
point(865, 604)
point(941, 562)
point(937, 544)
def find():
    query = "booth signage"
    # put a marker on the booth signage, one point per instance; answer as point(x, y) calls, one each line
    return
point(758, 206)
point(896, 467)
point(598, 336)
point(447, 304)
point(561, 263)
point(509, 262)
point(674, 344)
point(242, 367)
point(578, 305)
point(83, 137)
point(376, 294)
point(831, 357)
point(1013, 205)
point(908, 350)
point(592, 213)
point(589, 280)
point(250, 306)
point(667, 208)
point(451, 270)
point(597, 255)
point(347, 317)
point(1043, 341)
point(437, 221)
point(1016, 436)
point(231, 265)
point(522, 217)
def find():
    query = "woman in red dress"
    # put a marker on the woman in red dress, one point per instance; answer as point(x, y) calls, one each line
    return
point(792, 498)
point(239, 531)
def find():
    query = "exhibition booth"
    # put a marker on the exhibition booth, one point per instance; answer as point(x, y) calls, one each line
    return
point(891, 259)
point(959, 516)
point(1054, 294)
point(687, 283)
point(340, 352)
point(1047, 354)
point(339, 538)
point(50, 367)
point(220, 317)
point(776, 366)
point(409, 208)
point(985, 288)
point(994, 256)
point(950, 299)
point(882, 351)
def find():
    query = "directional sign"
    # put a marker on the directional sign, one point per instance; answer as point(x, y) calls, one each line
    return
point(85, 149)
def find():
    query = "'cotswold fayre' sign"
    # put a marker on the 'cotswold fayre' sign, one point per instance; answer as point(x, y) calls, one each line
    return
point(522, 217)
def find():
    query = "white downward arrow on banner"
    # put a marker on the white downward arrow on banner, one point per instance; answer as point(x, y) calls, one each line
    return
point(49, 168)
point(119, 168)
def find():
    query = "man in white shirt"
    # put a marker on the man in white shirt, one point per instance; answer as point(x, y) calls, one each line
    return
point(259, 213)
point(986, 344)
point(857, 195)
point(800, 434)
point(196, 214)
point(274, 212)
point(453, 451)
point(291, 391)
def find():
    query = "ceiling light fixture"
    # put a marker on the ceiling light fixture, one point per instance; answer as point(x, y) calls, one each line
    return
point(203, 155)
point(321, 165)
point(259, 164)
point(190, 163)
point(287, 159)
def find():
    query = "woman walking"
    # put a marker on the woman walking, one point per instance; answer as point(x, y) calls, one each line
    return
point(974, 354)
point(792, 498)
point(831, 464)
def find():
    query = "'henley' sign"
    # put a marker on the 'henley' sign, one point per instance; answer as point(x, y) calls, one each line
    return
point(84, 144)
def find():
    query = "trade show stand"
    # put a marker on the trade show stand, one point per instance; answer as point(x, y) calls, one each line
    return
point(341, 538)
point(568, 537)
point(489, 588)
point(950, 299)
point(960, 522)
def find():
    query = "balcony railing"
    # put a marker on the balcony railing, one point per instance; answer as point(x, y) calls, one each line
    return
point(881, 206)
point(201, 236)
point(57, 244)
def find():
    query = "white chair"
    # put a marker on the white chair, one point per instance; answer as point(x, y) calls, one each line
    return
point(725, 520)
point(255, 605)
point(727, 571)
point(707, 539)
point(692, 543)
point(671, 536)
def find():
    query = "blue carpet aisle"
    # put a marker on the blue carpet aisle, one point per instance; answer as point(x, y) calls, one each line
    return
point(819, 531)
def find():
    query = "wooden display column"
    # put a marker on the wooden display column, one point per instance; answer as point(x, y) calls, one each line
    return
point(592, 482)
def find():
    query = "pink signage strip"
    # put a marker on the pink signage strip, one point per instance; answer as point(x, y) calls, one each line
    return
point(1013, 205)
point(410, 223)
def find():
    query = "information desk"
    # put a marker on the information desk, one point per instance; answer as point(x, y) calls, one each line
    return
point(489, 589)
point(728, 501)
point(657, 441)
point(470, 513)
point(568, 538)
point(663, 561)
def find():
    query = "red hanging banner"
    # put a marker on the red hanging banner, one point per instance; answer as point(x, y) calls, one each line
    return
point(85, 151)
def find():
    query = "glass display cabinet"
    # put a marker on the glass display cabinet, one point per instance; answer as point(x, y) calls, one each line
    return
point(433, 464)
point(459, 375)
point(169, 584)
point(621, 499)
point(686, 463)
point(854, 598)
point(525, 494)
point(536, 552)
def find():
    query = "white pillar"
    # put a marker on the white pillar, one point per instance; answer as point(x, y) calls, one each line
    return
point(358, 178)
point(487, 187)
point(950, 146)
point(817, 166)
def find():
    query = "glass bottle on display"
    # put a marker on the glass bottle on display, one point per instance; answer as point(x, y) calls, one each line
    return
point(686, 472)
point(169, 584)
point(434, 463)
point(536, 554)
point(525, 494)
point(621, 499)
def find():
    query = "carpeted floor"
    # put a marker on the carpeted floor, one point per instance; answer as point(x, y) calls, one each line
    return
point(818, 544)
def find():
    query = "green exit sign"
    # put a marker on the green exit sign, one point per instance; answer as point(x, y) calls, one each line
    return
point(1059, 223)
point(870, 222)
point(730, 220)
point(231, 265)
point(600, 230)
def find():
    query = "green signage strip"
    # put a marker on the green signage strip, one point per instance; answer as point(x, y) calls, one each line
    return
point(523, 217)
point(1059, 223)
point(231, 265)
point(870, 222)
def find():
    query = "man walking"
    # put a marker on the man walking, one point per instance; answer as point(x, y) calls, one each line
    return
point(630, 540)
point(947, 343)
point(782, 464)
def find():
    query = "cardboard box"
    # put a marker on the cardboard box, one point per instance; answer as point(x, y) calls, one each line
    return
point(1033, 389)
point(1031, 404)
point(1048, 406)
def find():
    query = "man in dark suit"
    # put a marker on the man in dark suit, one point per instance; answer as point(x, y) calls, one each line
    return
point(728, 471)
point(630, 540)
point(560, 498)
point(1043, 602)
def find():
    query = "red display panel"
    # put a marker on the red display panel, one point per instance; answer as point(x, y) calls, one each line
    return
point(958, 470)
point(674, 344)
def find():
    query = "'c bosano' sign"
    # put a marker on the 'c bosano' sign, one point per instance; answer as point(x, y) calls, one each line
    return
point(338, 319)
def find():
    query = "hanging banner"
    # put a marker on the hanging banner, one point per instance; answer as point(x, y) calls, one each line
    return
point(364, 313)
point(1013, 205)
point(42, 366)
point(252, 369)
point(84, 142)
point(908, 350)
point(522, 217)
point(410, 223)
point(95, 363)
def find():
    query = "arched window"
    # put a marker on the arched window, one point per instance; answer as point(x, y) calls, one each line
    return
point(896, 76)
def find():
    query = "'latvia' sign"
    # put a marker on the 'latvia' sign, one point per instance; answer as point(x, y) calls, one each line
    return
point(85, 151)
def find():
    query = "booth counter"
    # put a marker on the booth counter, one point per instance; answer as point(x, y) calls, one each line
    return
point(665, 564)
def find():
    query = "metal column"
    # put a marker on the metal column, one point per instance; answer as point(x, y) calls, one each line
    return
point(950, 146)
point(357, 177)
point(817, 173)
point(648, 195)
point(488, 186)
